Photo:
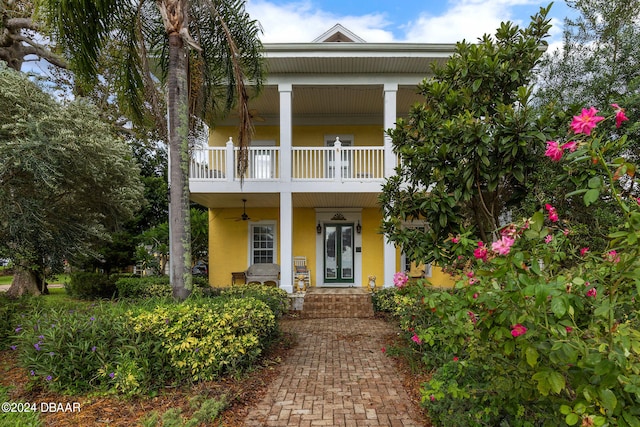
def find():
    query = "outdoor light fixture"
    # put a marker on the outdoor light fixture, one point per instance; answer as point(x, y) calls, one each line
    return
point(319, 229)
point(358, 228)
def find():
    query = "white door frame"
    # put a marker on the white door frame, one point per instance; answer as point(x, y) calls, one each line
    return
point(351, 215)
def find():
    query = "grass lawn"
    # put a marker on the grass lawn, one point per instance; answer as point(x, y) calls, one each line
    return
point(59, 278)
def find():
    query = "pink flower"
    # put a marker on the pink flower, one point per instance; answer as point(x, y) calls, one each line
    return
point(432, 398)
point(566, 231)
point(384, 349)
point(592, 292)
point(553, 215)
point(548, 239)
point(620, 116)
point(583, 251)
point(517, 330)
point(481, 251)
point(475, 296)
point(473, 280)
point(571, 146)
point(455, 358)
point(455, 239)
point(400, 279)
point(503, 246)
point(638, 200)
point(554, 152)
point(585, 122)
point(612, 256)
point(470, 274)
point(472, 316)
point(569, 329)
point(416, 339)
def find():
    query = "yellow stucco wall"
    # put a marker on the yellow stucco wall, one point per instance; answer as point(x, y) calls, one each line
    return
point(303, 136)
point(229, 244)
point(372, 247)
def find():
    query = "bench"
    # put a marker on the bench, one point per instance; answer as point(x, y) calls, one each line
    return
point(262, 273)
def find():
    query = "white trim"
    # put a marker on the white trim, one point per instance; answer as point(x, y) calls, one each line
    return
point(250, 239)
point(338, 28)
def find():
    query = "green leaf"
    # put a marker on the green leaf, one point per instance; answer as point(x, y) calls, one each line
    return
point(517, 173)
point(595, 182)
point(591, 196)
point(572, 419)
point(608, 399)
point(559, 306)
point(565, 410)
point(476, 85)
point(532, 356)
point(556, 381)
point(537, 221)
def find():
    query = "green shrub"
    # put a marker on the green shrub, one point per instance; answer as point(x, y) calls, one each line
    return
point(204, 338)
point(82, 349)
point(156, 287)
point(383, 300)
point(276, 298)
point(144, 287)
point(84, 285)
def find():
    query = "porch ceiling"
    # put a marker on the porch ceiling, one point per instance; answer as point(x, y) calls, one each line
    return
point(337, 104)
point(300, 200)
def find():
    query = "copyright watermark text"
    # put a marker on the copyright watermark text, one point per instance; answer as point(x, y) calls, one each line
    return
point(40, 407)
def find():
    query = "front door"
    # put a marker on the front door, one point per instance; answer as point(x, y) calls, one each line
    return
point(338, 253)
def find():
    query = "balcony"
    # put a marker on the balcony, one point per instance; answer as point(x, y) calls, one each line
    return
point(307, 164)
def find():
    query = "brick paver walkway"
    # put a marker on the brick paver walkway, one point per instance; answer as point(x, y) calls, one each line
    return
point(337, 375)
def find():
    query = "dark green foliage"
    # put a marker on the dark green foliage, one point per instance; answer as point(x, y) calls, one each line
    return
point(466, 152)
point(83, 285)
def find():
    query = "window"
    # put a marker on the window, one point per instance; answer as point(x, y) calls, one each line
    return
point(262, 243)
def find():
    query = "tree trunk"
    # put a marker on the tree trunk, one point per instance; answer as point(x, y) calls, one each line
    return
point(179, 219)
point(25, 282)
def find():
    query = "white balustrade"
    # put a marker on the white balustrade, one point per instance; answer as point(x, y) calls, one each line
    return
point(338, 163)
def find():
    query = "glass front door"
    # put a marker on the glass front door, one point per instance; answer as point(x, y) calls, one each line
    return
point(338, 253)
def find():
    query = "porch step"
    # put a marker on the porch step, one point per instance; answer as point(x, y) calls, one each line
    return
point(337, 302)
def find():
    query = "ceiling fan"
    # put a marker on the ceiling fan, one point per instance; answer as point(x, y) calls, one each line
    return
point(244, 216)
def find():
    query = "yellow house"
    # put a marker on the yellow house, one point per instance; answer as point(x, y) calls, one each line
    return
point(317, 162)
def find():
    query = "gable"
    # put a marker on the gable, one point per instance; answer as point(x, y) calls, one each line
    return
point(338, 34)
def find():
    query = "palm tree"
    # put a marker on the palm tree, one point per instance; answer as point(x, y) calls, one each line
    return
point(204, 51)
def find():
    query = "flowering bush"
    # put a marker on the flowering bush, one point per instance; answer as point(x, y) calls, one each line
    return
point(528, 338)
point(129, 348)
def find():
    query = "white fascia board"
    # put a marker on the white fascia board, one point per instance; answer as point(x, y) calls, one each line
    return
point(351, 50)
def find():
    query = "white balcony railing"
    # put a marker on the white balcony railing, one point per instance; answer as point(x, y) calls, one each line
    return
point(307, 163)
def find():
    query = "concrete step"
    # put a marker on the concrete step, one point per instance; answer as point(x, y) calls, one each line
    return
point(337, 302)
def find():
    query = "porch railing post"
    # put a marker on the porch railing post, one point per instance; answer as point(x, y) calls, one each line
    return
point(337, 160)
point(230, 161)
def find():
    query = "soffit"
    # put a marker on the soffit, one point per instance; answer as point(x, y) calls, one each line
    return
point(300, 200)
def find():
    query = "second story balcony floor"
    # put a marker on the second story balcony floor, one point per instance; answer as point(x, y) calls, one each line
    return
point(214, 169)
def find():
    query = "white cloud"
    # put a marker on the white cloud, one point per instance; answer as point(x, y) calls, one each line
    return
point(302, 22)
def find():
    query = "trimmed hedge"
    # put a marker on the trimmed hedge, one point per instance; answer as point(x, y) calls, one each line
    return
point(154, 287)
point(83, 285)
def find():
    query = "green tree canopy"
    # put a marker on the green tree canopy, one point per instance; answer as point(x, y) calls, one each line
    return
point(465, 152)
point(65, 178)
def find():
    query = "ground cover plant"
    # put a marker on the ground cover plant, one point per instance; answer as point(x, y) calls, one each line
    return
point(539, 331)
point(138, 347)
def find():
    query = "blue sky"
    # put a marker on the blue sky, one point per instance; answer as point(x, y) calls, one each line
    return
point(425, 21)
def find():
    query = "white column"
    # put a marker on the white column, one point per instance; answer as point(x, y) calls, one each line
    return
point(389, 263)
point(230, 164)
point(286, 242)
point(390, 115)
point(286, 124)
